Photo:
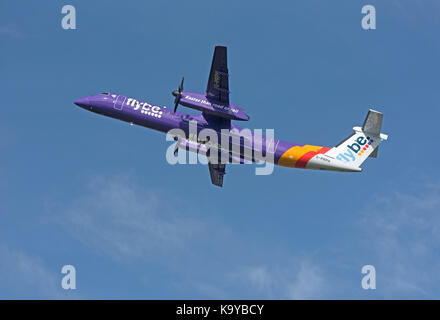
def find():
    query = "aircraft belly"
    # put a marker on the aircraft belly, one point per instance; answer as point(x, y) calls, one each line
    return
point(324, 162)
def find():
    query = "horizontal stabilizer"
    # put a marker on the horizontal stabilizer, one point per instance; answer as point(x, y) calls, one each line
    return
point(373, 122)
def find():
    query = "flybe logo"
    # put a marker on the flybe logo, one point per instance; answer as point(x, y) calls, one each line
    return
point(145, 107)
point(358, 147)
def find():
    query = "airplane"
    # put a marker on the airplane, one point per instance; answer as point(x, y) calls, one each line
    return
point(217, 113)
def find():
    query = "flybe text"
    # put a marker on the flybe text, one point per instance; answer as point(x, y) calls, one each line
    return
point(357, 148)
point(219, 106)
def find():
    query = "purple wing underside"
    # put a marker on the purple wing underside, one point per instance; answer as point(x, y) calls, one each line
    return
point(218, 82)
point(217, 171)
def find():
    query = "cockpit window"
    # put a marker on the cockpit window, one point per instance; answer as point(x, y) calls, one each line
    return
point(106, 93)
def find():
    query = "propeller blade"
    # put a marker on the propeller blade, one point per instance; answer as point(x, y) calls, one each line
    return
point(178, 95)
point(181, 85)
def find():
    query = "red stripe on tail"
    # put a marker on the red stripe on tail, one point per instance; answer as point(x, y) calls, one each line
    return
point(302, 162)
point(323, 150)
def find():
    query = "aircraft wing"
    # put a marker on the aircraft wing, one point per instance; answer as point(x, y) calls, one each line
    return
point(218, 82)
point(217, 171)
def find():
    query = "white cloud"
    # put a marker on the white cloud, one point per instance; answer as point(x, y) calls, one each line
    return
point(127, 222)
point(308, 283)
point(299, 279)
point(402, 232)
point(26, 276)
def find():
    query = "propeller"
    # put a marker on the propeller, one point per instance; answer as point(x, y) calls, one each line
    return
point(178, 94)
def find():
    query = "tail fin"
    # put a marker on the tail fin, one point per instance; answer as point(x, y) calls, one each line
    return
point(363, 143)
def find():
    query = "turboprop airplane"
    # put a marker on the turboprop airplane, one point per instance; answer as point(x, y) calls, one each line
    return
point(217, 114)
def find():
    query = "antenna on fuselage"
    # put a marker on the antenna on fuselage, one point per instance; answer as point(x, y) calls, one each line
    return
point(178, 95)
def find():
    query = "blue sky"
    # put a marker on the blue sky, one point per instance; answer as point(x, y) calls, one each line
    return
point(78, 188)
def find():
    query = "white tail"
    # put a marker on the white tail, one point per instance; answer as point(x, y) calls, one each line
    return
point(363, 143)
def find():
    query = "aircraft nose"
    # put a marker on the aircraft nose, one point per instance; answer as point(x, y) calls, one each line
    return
point(82, 102)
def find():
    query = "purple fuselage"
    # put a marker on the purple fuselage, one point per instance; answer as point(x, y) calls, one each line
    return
point(163, 119)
